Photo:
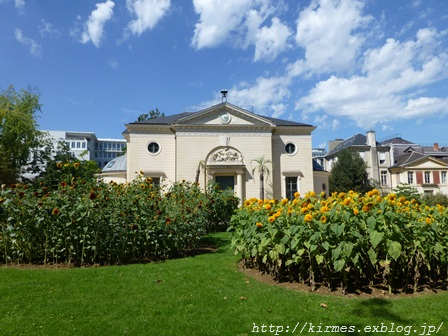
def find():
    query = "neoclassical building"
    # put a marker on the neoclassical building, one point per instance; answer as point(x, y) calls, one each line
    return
point(225, 140)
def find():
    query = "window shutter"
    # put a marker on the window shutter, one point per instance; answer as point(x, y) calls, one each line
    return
point(419, 177)
point(436, 176)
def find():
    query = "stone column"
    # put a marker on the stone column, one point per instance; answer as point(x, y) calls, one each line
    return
point(239, 187)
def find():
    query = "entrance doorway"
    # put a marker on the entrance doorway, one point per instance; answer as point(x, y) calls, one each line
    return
point(225, 182)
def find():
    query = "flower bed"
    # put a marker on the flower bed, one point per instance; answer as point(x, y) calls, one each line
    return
point(86, 223)
point(346, 239)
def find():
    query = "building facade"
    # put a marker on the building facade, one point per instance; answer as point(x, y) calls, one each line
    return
point(86, 146)
point(397, 161)
point(225, 140)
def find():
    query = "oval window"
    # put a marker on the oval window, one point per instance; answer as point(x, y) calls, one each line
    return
point(153, 147)
point(290, 148)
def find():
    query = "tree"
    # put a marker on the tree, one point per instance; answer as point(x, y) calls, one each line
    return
point(349, 173)
point(64, 168)
point(263, 171)
point(153, 114)
point(18, 130)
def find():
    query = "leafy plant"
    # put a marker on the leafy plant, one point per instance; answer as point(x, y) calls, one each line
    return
point(349, 238)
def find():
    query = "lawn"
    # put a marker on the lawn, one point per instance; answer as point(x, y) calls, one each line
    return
point(203, 294)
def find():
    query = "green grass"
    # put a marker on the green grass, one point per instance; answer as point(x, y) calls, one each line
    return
point(198, 295)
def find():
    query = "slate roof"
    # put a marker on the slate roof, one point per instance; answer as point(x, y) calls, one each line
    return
point(168, 120)
point(317, 166)
point(355, 140)
point(396, 141)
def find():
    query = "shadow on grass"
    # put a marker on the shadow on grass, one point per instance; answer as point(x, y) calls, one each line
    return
point(379, 312)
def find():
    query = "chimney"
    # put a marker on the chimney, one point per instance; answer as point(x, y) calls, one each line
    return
point(371, 138)
point(333, 143)
point(436, 146)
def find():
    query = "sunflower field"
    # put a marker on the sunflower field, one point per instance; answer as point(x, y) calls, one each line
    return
point(347, 239)
point(89, 222)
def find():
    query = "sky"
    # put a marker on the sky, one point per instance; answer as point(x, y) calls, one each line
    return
point(344, 66)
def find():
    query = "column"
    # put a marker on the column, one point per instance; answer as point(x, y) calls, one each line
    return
point(239, 187)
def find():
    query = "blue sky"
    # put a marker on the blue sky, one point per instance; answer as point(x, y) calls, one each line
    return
point(345, 66)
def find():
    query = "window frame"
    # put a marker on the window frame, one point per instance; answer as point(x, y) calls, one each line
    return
point(293, 145)
point(152, 142)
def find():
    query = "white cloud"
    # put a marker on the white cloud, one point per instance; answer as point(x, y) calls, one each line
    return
point(328, 31)
point(266, 96)
point(35, 48)
point(390, 87)
point(217, 19)
point(235, 22)
point(270, 41)
point(46, 29)
point(94, 27)
point(148, 13)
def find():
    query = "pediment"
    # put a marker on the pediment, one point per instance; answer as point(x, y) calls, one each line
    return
point(427, 163)
point(224, 114)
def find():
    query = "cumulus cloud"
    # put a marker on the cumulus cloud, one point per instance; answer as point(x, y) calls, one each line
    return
point(94, 27)
point(270, 41)
point(148, 13)
point(391, 85)
point(328, 31)
point(266, 95)
point(239, 24)
point(217, 19)
point(35, 48)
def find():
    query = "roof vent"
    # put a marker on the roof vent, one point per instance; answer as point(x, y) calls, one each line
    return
point(224, 95)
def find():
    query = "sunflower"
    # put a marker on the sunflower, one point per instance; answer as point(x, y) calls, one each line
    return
point(271, 219)
point(308, 218)
point(55, 211)
point(59, 165)
point(323, 219)
point(259, 224)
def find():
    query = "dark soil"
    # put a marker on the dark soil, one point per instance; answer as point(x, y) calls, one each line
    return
point(361, 292)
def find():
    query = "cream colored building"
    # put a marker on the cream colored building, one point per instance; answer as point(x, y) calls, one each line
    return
point(225, 139)
point(397, 161)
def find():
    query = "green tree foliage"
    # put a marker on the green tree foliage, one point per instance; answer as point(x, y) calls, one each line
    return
point(18, 130)
point(153, 114)
point(349, 173)
point(66, 169)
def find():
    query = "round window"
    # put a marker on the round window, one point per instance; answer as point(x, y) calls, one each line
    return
point(290, 148)
point(153, 147)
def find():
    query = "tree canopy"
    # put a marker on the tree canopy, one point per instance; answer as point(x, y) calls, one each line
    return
point(18, 130)
point(153, 114)
point(349, 173)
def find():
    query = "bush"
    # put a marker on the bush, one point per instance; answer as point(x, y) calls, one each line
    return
point(348, 238)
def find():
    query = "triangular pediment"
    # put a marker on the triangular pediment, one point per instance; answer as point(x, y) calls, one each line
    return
point(224, 114)
point(426, 162)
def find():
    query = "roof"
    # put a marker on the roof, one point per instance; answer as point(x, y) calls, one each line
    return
point(317, 166)
point(168, 120)
point(355, 140)
point(413, 157)
point(396, 141)
point(117, 164)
